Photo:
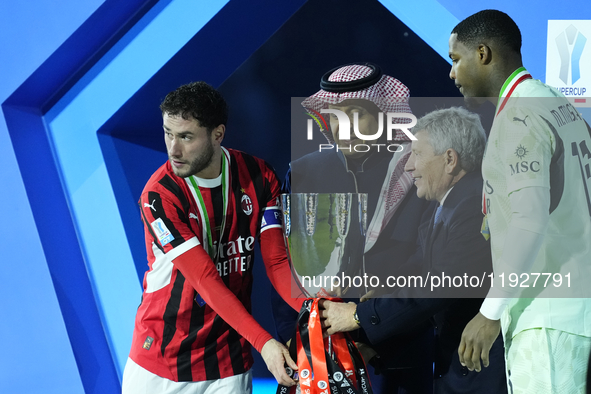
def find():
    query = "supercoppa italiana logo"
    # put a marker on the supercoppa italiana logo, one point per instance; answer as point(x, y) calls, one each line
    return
point(570, 44)
point(344, 131)
point(570, 57)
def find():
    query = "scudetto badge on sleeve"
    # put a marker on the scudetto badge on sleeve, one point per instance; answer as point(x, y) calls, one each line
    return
point(148, 343)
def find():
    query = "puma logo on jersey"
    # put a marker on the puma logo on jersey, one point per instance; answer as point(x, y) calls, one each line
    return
point(146, 205)
point(193, 216)
point(515, 119)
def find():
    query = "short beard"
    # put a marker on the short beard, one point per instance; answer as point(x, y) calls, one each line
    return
point(199, 164)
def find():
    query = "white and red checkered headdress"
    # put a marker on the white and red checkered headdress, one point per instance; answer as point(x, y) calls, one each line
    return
point(363, 81)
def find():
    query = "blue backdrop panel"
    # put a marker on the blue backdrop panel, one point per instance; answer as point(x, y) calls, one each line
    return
point(64, 257)
point(73, 123)
point(36, 350)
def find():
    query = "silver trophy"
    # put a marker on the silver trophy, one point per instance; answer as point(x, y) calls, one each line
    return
point(325, 238)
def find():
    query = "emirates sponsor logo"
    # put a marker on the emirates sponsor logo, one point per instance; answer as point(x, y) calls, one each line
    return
point(229, 251)
point(231, 248)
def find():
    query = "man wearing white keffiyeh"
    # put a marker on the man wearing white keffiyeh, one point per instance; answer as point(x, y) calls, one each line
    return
point(361, 91)
point(351, 89)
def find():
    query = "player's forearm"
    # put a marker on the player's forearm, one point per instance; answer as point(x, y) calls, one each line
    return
point(277, 266)
point(197, 268)
point(527, 227)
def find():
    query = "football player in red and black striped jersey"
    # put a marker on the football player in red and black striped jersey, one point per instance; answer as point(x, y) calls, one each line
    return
point(202, 211)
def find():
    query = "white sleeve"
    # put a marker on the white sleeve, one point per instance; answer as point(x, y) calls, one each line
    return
point(530, 208)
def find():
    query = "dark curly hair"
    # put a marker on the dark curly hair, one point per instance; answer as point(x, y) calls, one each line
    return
point(490, 25)
point(198, 100)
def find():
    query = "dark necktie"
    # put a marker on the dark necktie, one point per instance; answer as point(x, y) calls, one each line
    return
point(437, 212)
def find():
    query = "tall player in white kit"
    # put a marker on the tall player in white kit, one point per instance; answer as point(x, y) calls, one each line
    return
point(538, 213)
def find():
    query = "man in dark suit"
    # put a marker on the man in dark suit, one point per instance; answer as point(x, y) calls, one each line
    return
point(363, 92)
point(445, 164)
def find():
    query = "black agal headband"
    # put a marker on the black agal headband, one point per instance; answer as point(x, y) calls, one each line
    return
point(351, 86)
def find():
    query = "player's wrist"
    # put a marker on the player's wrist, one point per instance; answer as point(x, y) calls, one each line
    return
point(493, 308)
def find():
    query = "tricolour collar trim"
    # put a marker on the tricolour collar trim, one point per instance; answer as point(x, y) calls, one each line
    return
point(509, 86)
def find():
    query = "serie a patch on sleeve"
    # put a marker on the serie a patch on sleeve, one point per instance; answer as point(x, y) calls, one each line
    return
point(271, 218)
point(162, 232)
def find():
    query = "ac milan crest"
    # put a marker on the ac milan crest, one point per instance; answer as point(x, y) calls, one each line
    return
point(246, 204)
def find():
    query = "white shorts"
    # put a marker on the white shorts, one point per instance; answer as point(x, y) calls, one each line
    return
point(543, 360)
point(137, 380)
